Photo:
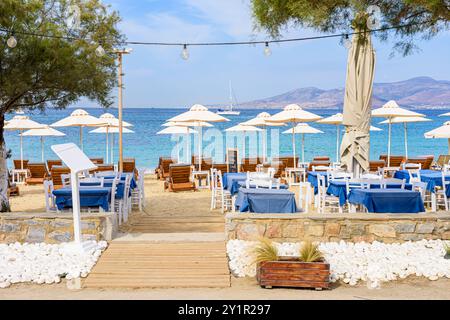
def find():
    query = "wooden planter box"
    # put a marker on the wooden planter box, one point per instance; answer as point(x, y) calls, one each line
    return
point(289, 272)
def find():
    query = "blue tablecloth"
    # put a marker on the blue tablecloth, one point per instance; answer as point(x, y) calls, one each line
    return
point(230, 181)
point(89, 197)
point(387, 201)
point(123, 176)
point(266, 201)
point(433, 180)
point(404, 174)
point(339, 188)
point(314, 180)
point(119, 189)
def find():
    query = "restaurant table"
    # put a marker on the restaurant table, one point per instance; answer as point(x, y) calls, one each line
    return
point(404, 174)
point(133, 184)
point(266, 201)
point(230, 181)
point(433, 180)
point(338, 188)
point(120, 188)
point(89, 197)
point(314, 180)
point(387, 201)
point(243, 184)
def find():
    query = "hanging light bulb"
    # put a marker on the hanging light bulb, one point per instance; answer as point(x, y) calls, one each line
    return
point(267, 50)
point(100, 52)
point(347, 42)
point(11, 42)
point(185, 52)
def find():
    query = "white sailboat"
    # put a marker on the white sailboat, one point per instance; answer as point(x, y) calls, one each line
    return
point(229, 110)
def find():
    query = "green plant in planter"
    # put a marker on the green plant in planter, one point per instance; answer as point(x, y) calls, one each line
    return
point(309, 252)
point(447, 251)
point(266, 250)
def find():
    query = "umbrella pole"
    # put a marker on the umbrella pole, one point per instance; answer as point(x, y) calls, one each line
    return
point(42, 148)
point(264, 133)
point(21, 150)
point(200, 137)
point(107, 144)
point(243, 149)
point(293, 143)
point(112, 148)
point(406, 140)
point(81, 137)
point(449, 146)
point(338, 134)
point(303, 147)
point(187, 144)
point(389, 144)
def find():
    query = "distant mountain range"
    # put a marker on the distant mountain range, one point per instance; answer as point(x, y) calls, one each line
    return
point(420, 92)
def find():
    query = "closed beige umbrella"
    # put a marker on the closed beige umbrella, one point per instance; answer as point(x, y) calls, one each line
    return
point(357, 104)
point(261, 121)
point(293, 113)
point(443, 132)
point(198, 114)
point(391, 110)
point(244, 129)
point(22, 122)
point(303, 128)
point(405, 121)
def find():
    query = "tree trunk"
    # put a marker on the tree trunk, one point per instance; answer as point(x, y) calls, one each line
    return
point(4, 201)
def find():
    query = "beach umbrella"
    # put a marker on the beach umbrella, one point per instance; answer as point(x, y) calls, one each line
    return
point(79, 118)
point(358, 103)
point(375, 129)
point(302, 128)
point(197, 114)
point(405, 121)
point(447, 114)
point(21, 122)
point(179, 130)
point(261, 121)
point(442, 132)
point(112, 131)
point(111, 121)
point(391, 110)
point(43, 132)
point(244, 129)
point(293, 113)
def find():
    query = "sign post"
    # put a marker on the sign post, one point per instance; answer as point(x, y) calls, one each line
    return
point(78, 162)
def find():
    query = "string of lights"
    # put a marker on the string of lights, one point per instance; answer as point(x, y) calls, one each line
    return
point(12, 41)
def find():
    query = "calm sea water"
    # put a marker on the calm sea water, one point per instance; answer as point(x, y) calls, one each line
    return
point(146, 146)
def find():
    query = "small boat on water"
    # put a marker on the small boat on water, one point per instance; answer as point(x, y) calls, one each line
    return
point(229, 109)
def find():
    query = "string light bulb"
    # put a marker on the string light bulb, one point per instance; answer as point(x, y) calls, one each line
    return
point(347, 42)
point(100, 52)
point(185, 52)
point(267, 50)
point(11, 42)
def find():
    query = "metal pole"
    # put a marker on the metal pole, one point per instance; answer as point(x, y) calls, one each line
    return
point(303, 147)
point(42, 148)
point(338, 135)
point(81, 137)
point(21, 149)
point(293, 142)
point(264, 134)
point(406, 140)
point(107, 144)
point(120, 113)
point(389, 144)
point(200, 142)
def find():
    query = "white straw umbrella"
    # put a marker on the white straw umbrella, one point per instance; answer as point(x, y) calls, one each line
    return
point(302, 128)
point(405, 121)
point(336, 120)
point(198, 113)
point(390, 110)
point(293, 113)
point(244, 129)
point(261, 121)
point(112, 130)
point(442, 132)
point(43, 132)
point(79, 118)
point(111, 121)
point(21, 122)
point(178, 131)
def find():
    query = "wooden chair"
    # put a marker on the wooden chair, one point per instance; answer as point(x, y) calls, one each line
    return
point(56, 173)
point(18, 165)
point(97, 160)
point(395, 161)
point(38, 173)
point(164, 168)
point(180, 178)
point(129, 165)
point(104, 167)
point(222, 167)
point(51, 163)
point(158, 168)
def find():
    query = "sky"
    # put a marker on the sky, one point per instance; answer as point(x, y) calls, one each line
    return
point(158, 77)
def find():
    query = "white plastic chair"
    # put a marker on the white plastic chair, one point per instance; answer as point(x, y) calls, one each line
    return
point(65, 179)
point(219, 195)
point(349, 186)
point(99, 174)
point(138, 193)
point(326, 200)
point(304, 195)
point(99, 181)
point(50, 199)
point(440, 192)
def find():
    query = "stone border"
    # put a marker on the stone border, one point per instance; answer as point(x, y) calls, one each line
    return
point(335, 227)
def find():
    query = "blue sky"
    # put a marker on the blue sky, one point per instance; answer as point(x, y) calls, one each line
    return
point(158, 77)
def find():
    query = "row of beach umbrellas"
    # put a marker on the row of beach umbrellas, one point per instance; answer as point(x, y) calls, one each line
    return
point(199, 116)
point(107, 124)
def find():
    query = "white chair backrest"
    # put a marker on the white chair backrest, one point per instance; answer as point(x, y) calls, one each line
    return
point(106, 174)
point(420, 187)
point(320, 168)
point(271, 171)
point(115, 182)
point(349, 186)
point(335, 174)
point(446, 168)
point(371, 176)
point(304, 165)
point(219, 183)
point(414, 175)
point(445, 183)
point(99, 181)
point(49, 197)
point(407, 166)
point(65, 179)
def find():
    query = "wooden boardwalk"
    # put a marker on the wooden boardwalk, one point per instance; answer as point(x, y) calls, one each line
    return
point(161, 265)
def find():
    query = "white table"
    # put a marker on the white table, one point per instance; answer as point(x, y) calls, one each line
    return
point(200, 175)
point(291, 173)
point(19, 176)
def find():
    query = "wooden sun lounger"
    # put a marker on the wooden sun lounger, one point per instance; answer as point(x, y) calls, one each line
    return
point(51, 163)
point(179, 178)
point(221, 166)
point(424, 162)
point(97, 160)
point(17, 164)
point(56, 173)
point(374, 165)
point(129, 165)
point(164, 168)
point(395, 161)
point(442, 160)
point(250, 164)
point(317, 164)
point(104, 167)
point(38, 173)
point(321, 158)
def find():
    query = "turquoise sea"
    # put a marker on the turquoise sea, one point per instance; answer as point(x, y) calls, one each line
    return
point(146, 146)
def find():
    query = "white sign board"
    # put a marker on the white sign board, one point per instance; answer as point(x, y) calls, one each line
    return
point(73, 157)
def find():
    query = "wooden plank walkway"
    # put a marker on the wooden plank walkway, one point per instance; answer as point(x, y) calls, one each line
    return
point(161, 265)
